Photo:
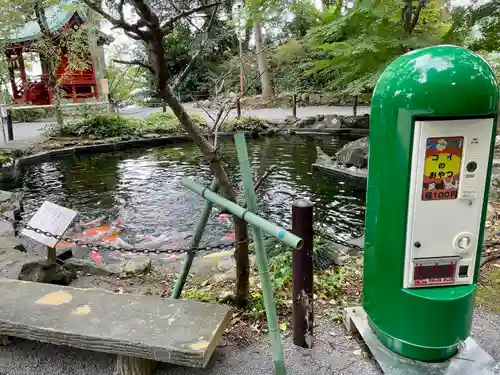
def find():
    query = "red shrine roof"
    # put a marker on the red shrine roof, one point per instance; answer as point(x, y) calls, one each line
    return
point(57, 17)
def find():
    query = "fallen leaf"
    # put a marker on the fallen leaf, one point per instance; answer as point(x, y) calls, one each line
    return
point(283, 326)
point(357, 352)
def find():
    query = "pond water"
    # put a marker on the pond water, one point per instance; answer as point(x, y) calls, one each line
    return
point(141, 187)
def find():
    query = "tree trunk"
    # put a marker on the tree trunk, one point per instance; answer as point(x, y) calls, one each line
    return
point(157, 59)
point(97, 64)
point(51, 56)
point(265, 78)
point(134, 366)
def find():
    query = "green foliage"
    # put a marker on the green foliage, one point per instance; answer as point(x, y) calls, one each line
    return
point(98, 126)
point(362, 42)
point(290, 64)
point(123, 80)
point(168, 124)
point(245, 123)
point(6, 161)
point(28, 115)
point(486, 19)
point(328, 279)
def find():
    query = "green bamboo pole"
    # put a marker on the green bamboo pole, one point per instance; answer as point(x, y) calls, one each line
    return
point(260, 250)
point(195, 242)
point(274, 230)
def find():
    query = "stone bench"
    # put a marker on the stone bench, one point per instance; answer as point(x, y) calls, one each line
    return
point(139, 329)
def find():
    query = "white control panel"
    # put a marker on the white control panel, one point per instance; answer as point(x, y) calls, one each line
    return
point(447, 186)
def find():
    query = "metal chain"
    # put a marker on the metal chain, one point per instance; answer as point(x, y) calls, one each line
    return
point(101, 246)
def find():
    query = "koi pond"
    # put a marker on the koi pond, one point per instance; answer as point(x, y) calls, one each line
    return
point(139, 189)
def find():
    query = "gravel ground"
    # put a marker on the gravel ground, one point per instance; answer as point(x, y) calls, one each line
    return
point(334, 353)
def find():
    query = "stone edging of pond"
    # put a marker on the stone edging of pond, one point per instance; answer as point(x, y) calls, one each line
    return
point(9, 172)
point(77, 149)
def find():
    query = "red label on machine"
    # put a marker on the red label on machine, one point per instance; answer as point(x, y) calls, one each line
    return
point(434, 274)
point(443, 158)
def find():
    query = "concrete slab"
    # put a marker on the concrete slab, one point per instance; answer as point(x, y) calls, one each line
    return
point(165, 330)
point(471, 359)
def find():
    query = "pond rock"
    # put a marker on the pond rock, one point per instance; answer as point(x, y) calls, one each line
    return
point(46, 271)
point(305, 122)
point(332, 121)
point(356, 122)
point(87, 266)
point(136, 266)
point(354, 153)
point(322, 158)
point(151, 136)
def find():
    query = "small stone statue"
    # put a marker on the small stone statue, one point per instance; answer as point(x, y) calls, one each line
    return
point(352, 154)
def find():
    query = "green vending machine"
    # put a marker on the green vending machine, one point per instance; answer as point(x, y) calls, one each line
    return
point(432, 135)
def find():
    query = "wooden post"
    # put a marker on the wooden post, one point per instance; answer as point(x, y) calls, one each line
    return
point(238, 108)
point(134, 366)
point(302, 274)
point(17, 218)
point(294, 105)
point(51, 254)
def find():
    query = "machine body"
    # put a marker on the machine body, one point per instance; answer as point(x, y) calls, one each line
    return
point(432, 133)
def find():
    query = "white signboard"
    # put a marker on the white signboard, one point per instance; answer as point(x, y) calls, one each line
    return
point(51, 218)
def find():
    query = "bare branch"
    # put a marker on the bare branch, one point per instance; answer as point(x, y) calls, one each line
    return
point(168, 24)
point(121, 23)
point(217, 125)
point(265, 175)
point(191, 63)
point(172, 3)
point(207, 112)
point(489, 258)
point(148, 17)
point(230, 71)
point(132, 36)
point(134, 62)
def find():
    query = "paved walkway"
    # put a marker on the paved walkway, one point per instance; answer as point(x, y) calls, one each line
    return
point(33, 130)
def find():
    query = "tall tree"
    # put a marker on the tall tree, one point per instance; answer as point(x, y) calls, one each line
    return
point(265, 77)
point(156, 20)
point(362, 41)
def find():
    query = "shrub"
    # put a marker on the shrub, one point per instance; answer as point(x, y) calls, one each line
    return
point(252, 124)
point(98, 126)
point(27, 115)
point(168, 124)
